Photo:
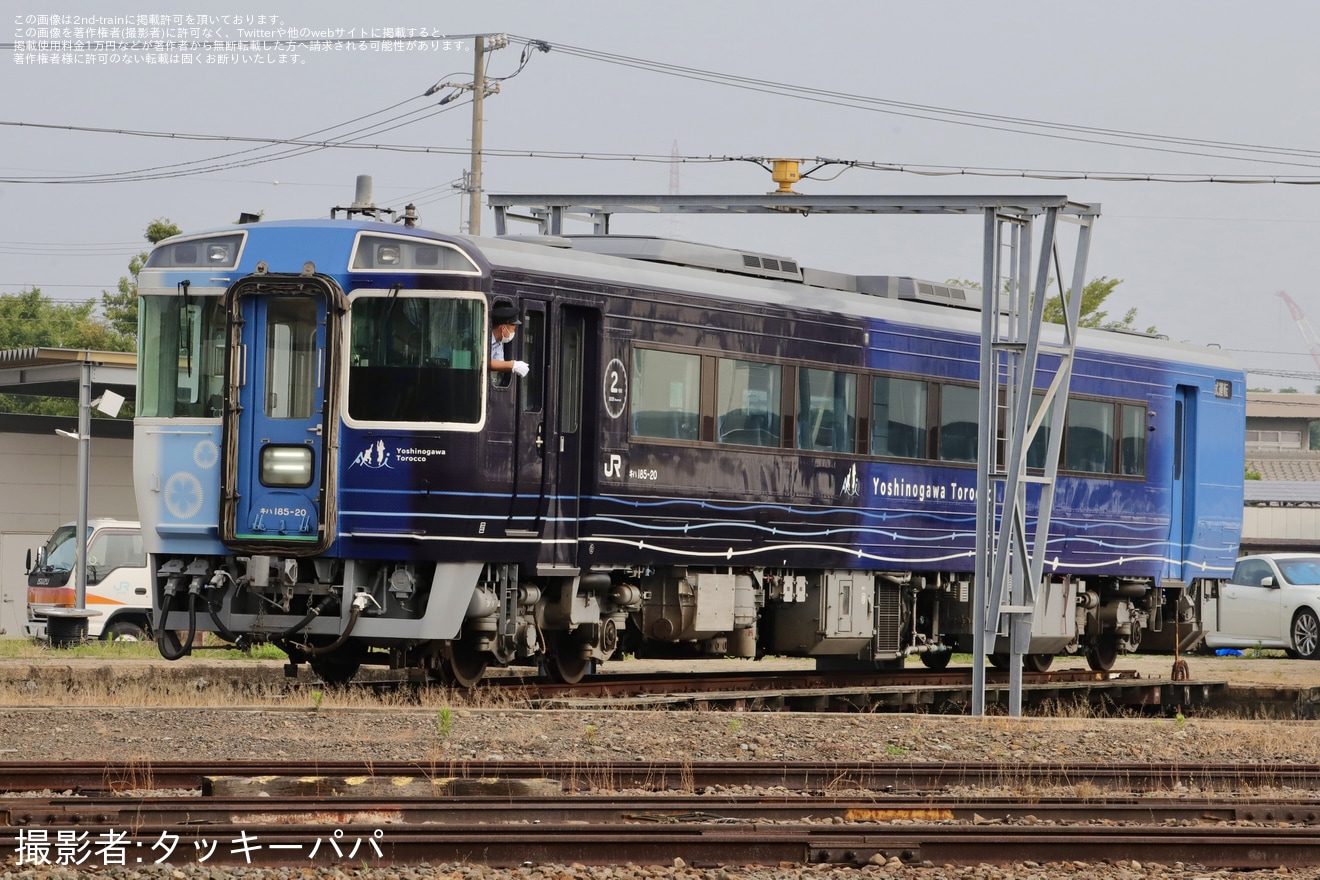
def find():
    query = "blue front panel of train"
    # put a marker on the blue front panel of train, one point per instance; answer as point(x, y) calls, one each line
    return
point(281, 418)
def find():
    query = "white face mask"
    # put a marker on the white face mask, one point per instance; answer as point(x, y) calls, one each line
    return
point(507, 337)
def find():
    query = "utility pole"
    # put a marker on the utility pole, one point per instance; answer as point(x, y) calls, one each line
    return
point(478, 99)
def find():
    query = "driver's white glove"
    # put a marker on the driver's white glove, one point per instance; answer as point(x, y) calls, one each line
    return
point(520, 367)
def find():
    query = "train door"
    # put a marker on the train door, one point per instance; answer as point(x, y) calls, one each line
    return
point(281, 352)
point(1182, 492)
point(527, 500)
point(573, 429)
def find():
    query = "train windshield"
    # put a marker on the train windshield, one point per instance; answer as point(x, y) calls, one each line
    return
point(416, 358)
point(181, 357)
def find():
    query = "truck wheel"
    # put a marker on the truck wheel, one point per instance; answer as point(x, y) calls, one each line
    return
point(124, 631)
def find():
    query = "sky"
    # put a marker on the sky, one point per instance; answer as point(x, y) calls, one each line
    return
point(1207, 110)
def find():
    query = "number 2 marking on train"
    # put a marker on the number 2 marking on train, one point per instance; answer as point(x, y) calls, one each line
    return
point(616, 388)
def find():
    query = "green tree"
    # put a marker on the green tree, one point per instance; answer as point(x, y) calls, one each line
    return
point(121, 308)
point(1094, 294)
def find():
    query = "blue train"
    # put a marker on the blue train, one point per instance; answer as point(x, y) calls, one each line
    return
point(712, 452)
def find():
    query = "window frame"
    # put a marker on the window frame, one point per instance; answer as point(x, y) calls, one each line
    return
point(482, 353)
point(865, 381)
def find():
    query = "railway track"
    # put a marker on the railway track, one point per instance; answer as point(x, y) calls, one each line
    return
point(379, 814)
point(96, 777)
point(944, 691)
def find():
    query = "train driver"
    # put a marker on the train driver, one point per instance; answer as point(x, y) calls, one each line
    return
point(504, 322)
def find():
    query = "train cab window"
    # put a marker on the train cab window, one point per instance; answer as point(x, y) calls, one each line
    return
point(415, 358)
point(958, 439)
point(827, 410)
point(748, 403)
point(1132, 448)
point(898, 417)
point(666, 394)
point(291, 358)
point(181, 357)
point(1089, 439)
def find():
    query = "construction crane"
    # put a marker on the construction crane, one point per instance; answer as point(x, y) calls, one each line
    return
point(1308, 332)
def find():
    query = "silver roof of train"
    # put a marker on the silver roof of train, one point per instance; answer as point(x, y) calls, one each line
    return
point(727, 275)
point(755, 264)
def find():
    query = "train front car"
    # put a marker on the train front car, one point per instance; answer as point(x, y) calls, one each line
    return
point(306, 452)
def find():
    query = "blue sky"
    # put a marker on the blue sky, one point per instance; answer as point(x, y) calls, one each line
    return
point(1214, 89)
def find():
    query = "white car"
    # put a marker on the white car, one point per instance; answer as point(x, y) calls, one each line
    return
point(1271, 601)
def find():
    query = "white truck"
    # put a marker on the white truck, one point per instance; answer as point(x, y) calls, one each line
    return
point(118, 583)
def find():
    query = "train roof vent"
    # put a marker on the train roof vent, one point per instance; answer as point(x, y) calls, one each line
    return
point(904, 287)
point(686, 253)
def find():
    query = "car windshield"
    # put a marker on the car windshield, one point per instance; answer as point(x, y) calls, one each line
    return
point(1302, 572)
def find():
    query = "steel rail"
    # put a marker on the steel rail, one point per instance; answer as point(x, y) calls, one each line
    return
point(101, 776)
point(375, 844)
point(162, 812)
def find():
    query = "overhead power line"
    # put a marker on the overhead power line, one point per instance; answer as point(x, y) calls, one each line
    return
point(1175, 144)
point(270, 149)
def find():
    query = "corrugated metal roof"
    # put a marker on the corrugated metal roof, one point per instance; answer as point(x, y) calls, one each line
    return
point(55, 372)
point(1282, 491)
point(1282, 406)
point(40, 357)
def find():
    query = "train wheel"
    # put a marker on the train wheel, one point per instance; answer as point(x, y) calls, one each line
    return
point(1103, 654)
point(334, 671)
point(999, 660)
point(567, 668)
point(936, 659)
point(1037, 662)
point(463, 666)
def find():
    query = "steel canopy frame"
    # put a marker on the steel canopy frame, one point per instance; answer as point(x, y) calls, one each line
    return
point(1010, 557)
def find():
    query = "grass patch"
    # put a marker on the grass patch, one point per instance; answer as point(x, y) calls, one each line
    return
point(119, 649)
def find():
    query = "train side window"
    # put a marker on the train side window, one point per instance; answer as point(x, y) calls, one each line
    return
point(958, 438)
point(898, 417)
point(827, 410)
point(1132, 449)
point(1040, 444)
point(666, 394)
point(416, 358)
point(570, 378)
point(747, 408)
point(1090, 437)
point(532, 386)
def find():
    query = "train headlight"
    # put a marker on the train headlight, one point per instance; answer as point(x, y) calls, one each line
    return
point(286, 466)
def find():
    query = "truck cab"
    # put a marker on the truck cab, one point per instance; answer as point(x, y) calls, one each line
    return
point(118, 582)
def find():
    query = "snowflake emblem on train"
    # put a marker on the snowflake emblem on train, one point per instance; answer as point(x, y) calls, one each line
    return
point(183, 495)
point(205, 454)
